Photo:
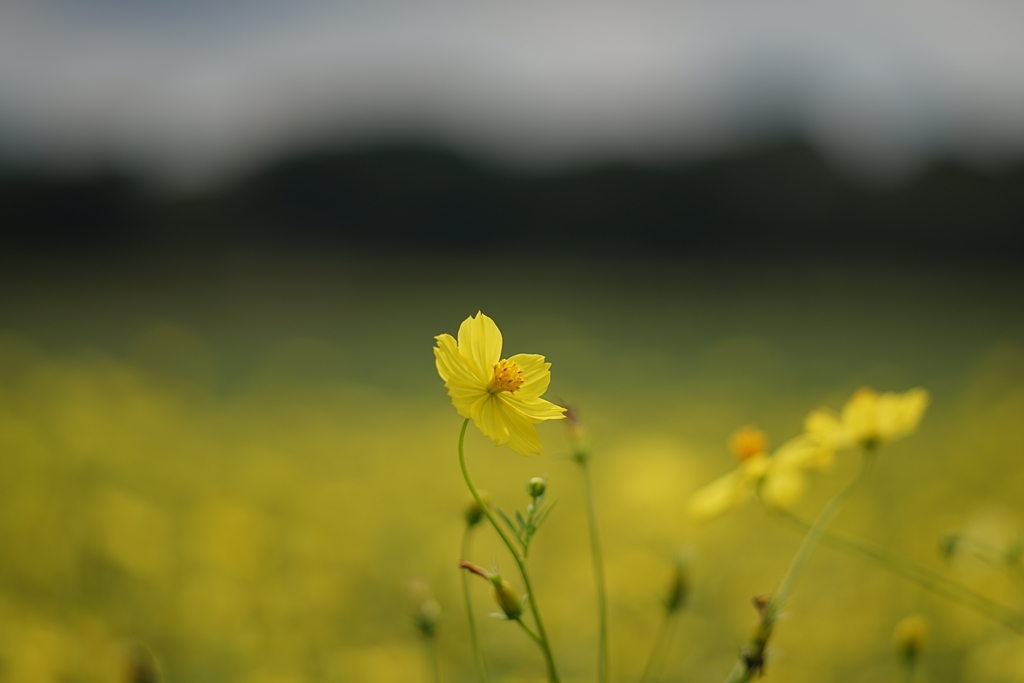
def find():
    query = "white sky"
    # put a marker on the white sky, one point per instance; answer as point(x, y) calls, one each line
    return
point(194, 90)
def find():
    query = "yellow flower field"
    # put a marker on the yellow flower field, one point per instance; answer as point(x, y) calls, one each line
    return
point(232, 474)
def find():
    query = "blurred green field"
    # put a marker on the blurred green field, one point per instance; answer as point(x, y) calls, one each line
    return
point(238, 463)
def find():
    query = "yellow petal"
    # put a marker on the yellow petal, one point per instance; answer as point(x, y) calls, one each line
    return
point(860, 415)
point(804, 452)
point(534, 410)
point(489, 418)
point(783, 487)
point(480, 344)
point(826, 427)
point(464, 387)
point(723, 494)
point(899, 414)
point(536, 374)
point(523, 438)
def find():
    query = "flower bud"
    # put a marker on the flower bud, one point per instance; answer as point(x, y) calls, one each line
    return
point(473, 513)
point(142, 666)
point(428, 616)
point(506, 597)
point(577, 435)
point(536, 487)
point(678, 588)
point(910, 636)
point(426, 611)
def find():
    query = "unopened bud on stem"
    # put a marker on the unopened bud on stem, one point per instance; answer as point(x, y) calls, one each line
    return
point(426, 611)
point(678, 588)
point(501, 590)
point(473, 513)
point(506, 597)
point(910, 637)
point(536, 487)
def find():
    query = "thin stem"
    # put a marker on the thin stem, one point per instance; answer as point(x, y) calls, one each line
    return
point(434, 661)
point(478, 654)
point(530, 632)
point(603, 655)
point(814, 534)
point(542, 640)
point(751, 661)
point(926, 578)
point(661, 642)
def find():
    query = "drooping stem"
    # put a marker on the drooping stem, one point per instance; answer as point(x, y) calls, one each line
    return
point(926, 578)
point(542, 639)
point(662, 639)
point(603, 655)
point(478, 654)
point(751, 661)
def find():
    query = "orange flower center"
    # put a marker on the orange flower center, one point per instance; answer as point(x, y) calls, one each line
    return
point(508, 376)
point(747, 442)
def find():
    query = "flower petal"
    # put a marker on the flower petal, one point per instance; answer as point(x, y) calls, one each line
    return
point(536, 374)
point(783, 487)
point(480, 345)
point(490, 420)
point(523, 437)
point(533, 410)
point(806, 451)
point(464, 387)
point(723, 494)
point(899, 414)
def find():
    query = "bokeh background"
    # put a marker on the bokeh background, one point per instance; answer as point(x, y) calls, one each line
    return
point(229, 232)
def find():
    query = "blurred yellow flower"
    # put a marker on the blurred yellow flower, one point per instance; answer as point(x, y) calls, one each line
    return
point(869, 419)
point(778, 478)
point(501, 396)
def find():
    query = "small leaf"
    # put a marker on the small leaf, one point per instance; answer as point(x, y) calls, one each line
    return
point(511, 526)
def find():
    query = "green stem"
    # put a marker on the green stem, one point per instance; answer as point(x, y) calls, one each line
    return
point(542, 640)
point(435, 663)
point(661, 642)
point(814, 534)
point(926, 578)
point(478, 654)
point(529, 632)
point(752, 660)
point(603, 655)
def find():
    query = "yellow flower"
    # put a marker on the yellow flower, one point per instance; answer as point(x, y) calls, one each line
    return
point(869, 419)
point(910, 636)
point(501, 396)
point(778, 478)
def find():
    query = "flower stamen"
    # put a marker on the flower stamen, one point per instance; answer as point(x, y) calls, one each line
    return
point(508, 376)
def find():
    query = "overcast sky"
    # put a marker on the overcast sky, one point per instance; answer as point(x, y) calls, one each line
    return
point(194, 90)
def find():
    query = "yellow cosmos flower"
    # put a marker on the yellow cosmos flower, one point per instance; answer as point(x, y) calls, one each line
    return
point(501, 396)
point(777, 478)
point(869, 419)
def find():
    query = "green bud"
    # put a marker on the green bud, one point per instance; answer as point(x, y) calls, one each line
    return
point(142, 666)
point(910, 636)
point(426, 611)
point(949, 546)
point(472, 513)
point(678, 588)
point(428, 616)
point(536, 487)
point(506, 597)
